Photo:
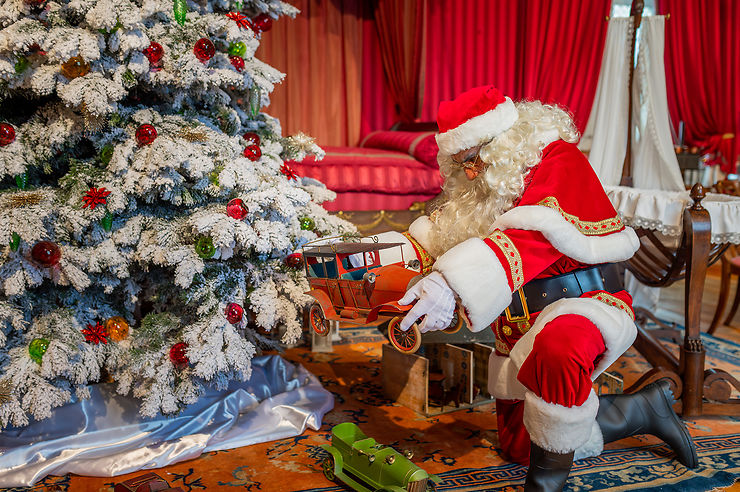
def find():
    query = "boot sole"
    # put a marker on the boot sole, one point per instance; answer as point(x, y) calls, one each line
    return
point(670, 400)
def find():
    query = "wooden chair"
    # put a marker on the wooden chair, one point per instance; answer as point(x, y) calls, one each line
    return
point(730, 267)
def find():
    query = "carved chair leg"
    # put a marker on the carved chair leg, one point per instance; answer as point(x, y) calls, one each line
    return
point(724, 293)
point(735, 304)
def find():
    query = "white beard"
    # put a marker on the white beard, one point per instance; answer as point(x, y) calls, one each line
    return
point(472, 206)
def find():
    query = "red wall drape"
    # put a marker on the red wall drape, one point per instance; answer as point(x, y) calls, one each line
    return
point(530, 49)
point(702, 57)
point(561, 46)
point(320, 51)
point(401, 26)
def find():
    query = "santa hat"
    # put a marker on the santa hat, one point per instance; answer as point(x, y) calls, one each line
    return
point(476, 116)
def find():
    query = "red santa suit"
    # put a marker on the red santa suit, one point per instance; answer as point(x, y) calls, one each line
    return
point(542, 370)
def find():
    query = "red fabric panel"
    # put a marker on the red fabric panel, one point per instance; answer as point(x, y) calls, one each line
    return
point(401, 32)
point(702, 62)
point(562, 44)
point(371, 170)
point(469, 44)
point(512, 435)
point(420, 145)
point(549, 51)
point(379, 111)
point(562, 360)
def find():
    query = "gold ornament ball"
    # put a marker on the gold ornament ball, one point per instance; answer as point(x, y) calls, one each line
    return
point(117, 328)
point(75, 67)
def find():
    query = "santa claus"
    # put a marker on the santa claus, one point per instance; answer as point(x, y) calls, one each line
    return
point(526, 240)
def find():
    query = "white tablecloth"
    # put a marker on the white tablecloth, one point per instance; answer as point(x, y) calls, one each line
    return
point(662, 211)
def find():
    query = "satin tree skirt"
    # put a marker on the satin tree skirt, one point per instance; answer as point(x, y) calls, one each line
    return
point(105, 436)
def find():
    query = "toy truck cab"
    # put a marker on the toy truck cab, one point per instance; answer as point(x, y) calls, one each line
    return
point(365, 465)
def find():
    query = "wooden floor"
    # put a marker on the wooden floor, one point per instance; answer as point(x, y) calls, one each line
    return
point(671, 305)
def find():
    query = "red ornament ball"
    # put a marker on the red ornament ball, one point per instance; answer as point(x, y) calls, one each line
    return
point(204, 49)
point(294, 260)
point(177, 355)
point(154, 53)
point(262, 23)
point(7, 134)
point(146, 134)
point(236, 209)
point(253, 152)
point(46, 253)
point(238, 62)
point(234, 313)
point(251, 138)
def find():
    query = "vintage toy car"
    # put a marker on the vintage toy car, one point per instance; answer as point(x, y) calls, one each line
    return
point(349, 284)
point(364, 465)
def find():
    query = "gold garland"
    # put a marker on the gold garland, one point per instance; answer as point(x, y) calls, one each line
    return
point(5, 390)
point(23, 199)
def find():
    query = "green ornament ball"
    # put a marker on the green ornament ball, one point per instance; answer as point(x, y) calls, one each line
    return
point(37, 348)
point(21, 64)
point(307, 224)
point(238, 49)
point(205, 248)
point(107, 221)
point(15, 241)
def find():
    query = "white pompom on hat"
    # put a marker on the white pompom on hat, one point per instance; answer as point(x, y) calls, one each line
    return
point(475, 117)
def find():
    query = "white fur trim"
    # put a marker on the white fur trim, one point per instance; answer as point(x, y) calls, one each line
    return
point(473, 271)
point(421, 229)
point(479, 129)
point(502, 381)
point(616, 328)
point(593, 447)
point(567, 239)
point(557, 428)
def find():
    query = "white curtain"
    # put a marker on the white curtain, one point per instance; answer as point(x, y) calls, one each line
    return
point(654, 161)
point(654, 164)
point(606, 131)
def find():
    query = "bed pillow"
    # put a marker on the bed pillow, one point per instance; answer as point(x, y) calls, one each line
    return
point(422, 146)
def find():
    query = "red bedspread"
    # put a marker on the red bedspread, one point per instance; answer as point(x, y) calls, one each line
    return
point(375, 178)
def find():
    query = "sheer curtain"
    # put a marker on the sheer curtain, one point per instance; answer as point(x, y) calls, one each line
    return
point(654, 161)
point(606, 131)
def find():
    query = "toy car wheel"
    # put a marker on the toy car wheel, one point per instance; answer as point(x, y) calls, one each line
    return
point(317, 320)
point(328, 468)
point(407, 341)
point(455, 324)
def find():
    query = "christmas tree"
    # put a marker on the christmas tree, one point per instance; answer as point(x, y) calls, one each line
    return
point(148, 218)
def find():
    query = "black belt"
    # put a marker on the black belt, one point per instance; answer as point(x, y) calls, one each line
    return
point(535, 295)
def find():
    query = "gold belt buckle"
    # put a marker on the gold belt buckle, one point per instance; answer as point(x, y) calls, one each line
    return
point(525, 308)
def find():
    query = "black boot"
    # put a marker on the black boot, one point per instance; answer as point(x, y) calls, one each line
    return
point(547, 471)
point(649, 411)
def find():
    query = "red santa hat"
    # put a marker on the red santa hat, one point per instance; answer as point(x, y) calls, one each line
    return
point(476, 116)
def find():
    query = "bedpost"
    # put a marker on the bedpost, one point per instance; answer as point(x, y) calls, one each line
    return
point(636, 14)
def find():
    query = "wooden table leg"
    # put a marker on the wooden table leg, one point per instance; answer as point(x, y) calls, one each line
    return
point(697, 228)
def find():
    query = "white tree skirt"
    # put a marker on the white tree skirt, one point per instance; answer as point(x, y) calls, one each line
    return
point(105, 436)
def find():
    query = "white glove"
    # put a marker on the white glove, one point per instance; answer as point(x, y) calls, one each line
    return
point(436, 302)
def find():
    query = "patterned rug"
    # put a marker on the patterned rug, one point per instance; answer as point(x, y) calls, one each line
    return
point(461, 447)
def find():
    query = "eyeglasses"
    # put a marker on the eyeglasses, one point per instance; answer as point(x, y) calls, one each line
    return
point(474, 163)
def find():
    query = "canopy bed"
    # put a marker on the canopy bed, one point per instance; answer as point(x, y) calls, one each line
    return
point(632, 151)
